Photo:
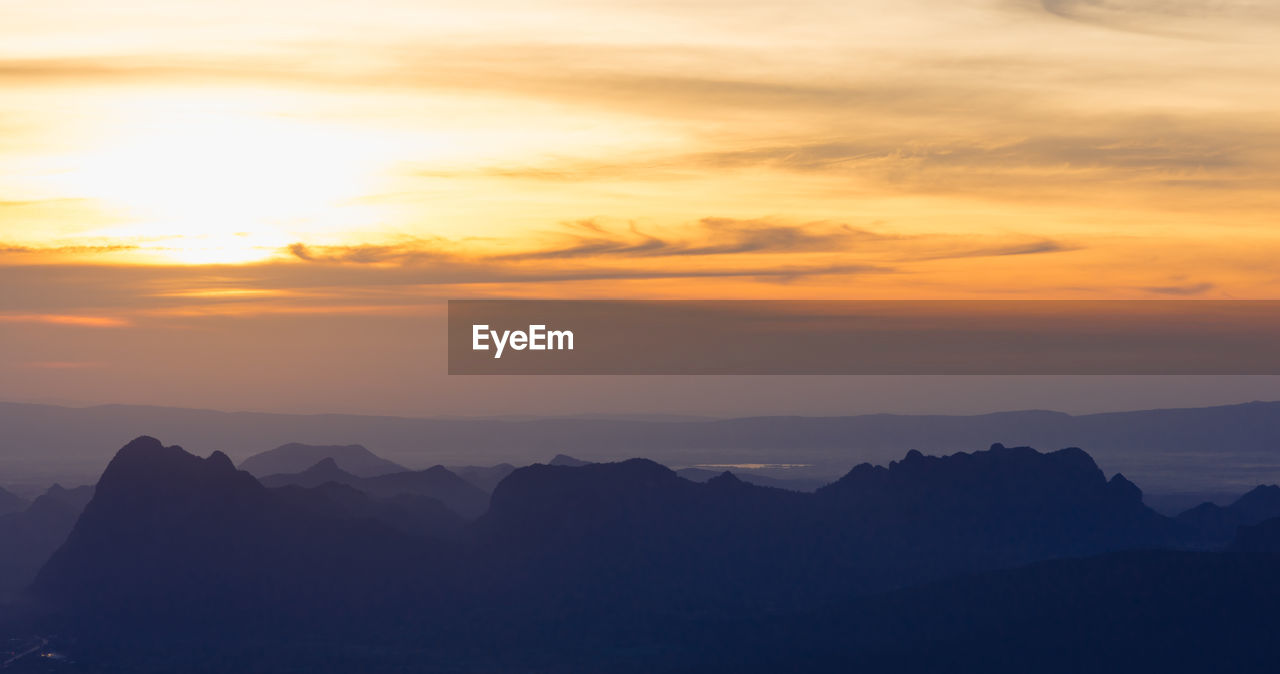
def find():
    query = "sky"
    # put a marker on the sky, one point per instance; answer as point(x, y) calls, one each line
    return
point(262, 205)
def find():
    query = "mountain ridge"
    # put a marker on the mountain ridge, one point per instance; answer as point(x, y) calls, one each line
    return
point(1126, 441)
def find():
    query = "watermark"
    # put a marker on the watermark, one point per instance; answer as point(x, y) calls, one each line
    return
point(864, 337)
point(536, 338)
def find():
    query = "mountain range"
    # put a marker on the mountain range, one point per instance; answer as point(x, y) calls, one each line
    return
point(991, 560)
point(437, 482)
point(1177, 450)
point(295, 457)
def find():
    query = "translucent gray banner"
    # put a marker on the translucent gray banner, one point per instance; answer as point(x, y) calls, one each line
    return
point(864, 337)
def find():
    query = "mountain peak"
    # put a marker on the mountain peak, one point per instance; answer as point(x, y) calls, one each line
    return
point(145, 463)
point(725, 479)
point(327, 463)
point(324, 471)
point(220, 461)
point(566, 460)
point(537, 496)
point(1123, 489)
point(1022, 473)
point(140, 446)
point(296, 457)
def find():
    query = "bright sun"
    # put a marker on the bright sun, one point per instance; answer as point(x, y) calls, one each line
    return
point(210, 186)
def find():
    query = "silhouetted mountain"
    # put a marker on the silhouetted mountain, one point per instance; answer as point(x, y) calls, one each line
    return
point(437, 482)
point(180, 562)
point(703, 474)
point(484, 477)
point(29, 537)
point(325, 471)
point(172, 542)
point(566, 460)
point(1173, 504)
point(10, 503)
point(1002, 507)
point(918, 519)
point(1213, 526)
point(296, 457)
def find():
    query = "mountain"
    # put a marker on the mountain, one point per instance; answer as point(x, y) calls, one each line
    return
point(436, 482)
point(295, 457)
point(181, 563)
point(10, 503)
point(167, 531)
point(1001, 507)
point(1177, 450)
point(878, 527)
point(325, 471)
point(484, 477)
point(566, 460)
point(1213, 526)
point(797, 484)
point(29, 537)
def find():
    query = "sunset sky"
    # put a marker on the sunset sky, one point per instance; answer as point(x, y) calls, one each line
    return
point(261, 204)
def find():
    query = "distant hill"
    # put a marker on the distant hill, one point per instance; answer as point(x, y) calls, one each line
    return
point(29, 537)
point(438, 482)
point(566, 460)
point(324, 471)
point(1214, 526)
point(484, 477)
point(296, 457)
point(799, 484)
point(10, 503)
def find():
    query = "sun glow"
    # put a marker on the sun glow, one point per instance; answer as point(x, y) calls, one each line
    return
point(218, 186)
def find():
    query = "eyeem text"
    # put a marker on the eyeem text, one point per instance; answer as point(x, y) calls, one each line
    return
point(537, 338)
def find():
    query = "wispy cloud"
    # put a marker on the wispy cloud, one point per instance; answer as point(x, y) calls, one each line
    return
point(708, 237)
point(717, 238)
point(1181, 290)
point(83, 321)
point(1187, 18)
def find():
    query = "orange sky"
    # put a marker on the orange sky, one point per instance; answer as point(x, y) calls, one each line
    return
point(169, 167)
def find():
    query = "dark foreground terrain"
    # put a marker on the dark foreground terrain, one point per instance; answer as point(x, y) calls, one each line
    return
point(1004, 560)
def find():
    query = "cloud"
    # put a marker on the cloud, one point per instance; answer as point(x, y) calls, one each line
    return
point(986, 123)
point(668, 252)
point(766, 249)
point(67, 250)
point(82, 321)
point(709, 237)
point(414, 252)
point(719, 236)
point(1174, 18)
point(1182, 290)
point(1143, 148)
